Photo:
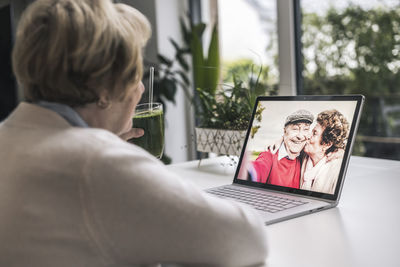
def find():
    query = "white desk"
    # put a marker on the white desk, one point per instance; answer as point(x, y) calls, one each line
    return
point(364, 230)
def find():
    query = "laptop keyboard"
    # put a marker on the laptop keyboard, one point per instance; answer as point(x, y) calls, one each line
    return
point(258, 200)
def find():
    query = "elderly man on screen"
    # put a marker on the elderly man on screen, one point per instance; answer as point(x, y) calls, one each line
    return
point(283, 168)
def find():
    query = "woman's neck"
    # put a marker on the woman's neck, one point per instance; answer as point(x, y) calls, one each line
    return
point(315, 158)
point(93, 116)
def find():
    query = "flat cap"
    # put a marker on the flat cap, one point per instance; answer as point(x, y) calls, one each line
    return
point(300, 115)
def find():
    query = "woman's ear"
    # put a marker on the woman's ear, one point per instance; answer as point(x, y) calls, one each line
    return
point(104, 100)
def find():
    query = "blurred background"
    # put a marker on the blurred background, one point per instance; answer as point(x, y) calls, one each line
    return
point(292, 47)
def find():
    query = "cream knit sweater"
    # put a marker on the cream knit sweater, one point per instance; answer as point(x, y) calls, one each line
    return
point(75, 197)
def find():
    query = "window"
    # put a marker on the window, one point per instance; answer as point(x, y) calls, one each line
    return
point(248, 41)
point(353, 47)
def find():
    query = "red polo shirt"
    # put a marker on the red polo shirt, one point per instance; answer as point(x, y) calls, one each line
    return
point(283, 172)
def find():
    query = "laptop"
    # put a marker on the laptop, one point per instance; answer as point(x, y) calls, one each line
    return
point(295, 155)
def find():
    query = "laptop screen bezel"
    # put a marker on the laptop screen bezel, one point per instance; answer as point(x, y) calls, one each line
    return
point(354, 126)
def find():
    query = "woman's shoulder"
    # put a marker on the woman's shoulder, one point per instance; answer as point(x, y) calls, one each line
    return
point(332, 167)
point(99, 141)
point(108, 156)
point(92, 135)
point(334, 163)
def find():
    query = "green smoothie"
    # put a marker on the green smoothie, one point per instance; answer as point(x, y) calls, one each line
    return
point(153, 124)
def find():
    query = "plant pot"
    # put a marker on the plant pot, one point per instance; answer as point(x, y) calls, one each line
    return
point(221, 142)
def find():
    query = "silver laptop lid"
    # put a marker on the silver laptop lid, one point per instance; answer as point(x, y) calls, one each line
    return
point(313, 138)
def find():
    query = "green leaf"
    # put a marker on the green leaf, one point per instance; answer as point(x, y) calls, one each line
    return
point(164, 60)
point(184, 77)
point(182, 62)
point(213, 62)
point(198, 60)
point(185, 50)
point(198, 29)
point(185, 31)
point(169, 90)
point(175, 45)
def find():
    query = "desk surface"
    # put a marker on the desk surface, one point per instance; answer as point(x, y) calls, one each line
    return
point(364, 230)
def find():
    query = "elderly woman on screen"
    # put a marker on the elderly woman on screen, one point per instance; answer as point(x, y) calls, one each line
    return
point(72, 192)
point(329, 135)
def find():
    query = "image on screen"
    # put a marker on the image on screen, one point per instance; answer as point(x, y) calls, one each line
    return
point(298, 144)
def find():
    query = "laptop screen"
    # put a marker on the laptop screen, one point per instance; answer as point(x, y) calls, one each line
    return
point(300, 144)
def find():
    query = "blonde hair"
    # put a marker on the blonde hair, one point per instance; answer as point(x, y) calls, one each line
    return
point(67, 51)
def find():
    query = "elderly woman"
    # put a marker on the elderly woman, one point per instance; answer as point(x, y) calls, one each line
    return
point(72, 192)
point(329, 135)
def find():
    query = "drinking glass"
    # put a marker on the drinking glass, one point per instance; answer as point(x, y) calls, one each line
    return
point(150, 118)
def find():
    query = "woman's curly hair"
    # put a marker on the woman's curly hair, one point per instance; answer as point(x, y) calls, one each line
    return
point(336, 129)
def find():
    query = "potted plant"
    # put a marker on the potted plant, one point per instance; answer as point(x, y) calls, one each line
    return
point(224, 116)
point(223, 111)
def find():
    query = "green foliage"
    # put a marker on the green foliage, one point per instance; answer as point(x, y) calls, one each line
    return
point(231, 107)
point(257, 120)
point(206, 68)
point(212, 70)
point(246, 69)
point(354, 51)
point(241, 68)
point(196, 49)
point(226, 107)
